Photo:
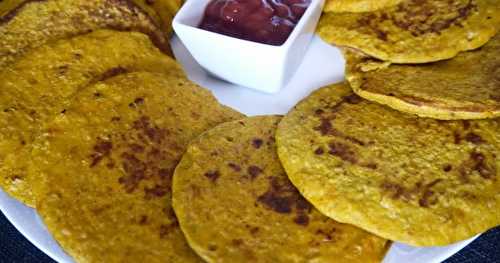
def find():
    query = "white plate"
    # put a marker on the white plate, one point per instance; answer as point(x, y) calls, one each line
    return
point(322, 65)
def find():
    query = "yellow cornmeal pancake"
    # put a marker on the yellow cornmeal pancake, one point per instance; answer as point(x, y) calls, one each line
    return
point(235, 203)
point(33, 23)
point(415, 31)
point(40, 85)
point(355, 6)
point(419, 181)
point(465, 87)
point(104, 167)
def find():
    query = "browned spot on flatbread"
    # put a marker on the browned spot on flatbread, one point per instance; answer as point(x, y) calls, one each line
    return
point(257, 143)
point(254, 171)
point(165, 230)
point(235, 167)
point(474, 138)
point(282, 197)
point(101, 149)
point(476, 163)
point(343, 151)
point(212, 175)
point(422, 193)
point(113, 72)
point(141, 159)
point(418, 17)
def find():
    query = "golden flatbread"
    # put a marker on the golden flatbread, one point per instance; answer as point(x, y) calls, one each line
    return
point(415, 31)
point(40, 85)
point(104, 167)
point(356, 6)
point(419, 181)
point(33, 23)
point(465, 87)
point(235, 204)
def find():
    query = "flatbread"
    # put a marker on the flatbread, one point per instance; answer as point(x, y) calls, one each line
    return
point(419, 181)
point(104, 167)
point(235, 204)
point(356, 6)
point(415, 31)
point(33, 23)
point(40, 85)
point(465, 87)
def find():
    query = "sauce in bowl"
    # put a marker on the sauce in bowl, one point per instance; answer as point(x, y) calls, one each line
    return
point(264, 21)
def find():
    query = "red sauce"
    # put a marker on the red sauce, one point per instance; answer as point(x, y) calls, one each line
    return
point(264, 21)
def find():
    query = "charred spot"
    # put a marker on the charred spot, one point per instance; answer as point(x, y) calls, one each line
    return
point(115, 119)
point(136, 148)
point(101, 149)
point(97, 94)
point(282, 197)
point(447, 168)
point(63, 69)
point(135, 171)
point(23, 142)
point(301, 219)
point(394, 189)
point(325, 127)
point(372, 166)
point(212, 175)
point(326, 234)
point(139, 101)
point(212, 247)
point(237, 242)
point(110, 165)
point(165, 230)
point(257, 143)
point(342, 151)
point(457, 138)
point(319, 151)
point(420, 18)
point(143, 220)
point(157, 191)
point(425, 200)
point(474, 138)
point(254, 230)
point(277, 203)
point(254, 171)
point(63, 111)
point(352, 99)
point(113, 72)
point(319, 111)
point(466, 124)
point(150, 2)
point(234, 166)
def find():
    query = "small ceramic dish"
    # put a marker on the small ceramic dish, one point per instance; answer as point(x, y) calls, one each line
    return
point(250, 64)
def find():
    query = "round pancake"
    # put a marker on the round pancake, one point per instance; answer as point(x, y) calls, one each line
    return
point(33, 23)
point(104, 167)
point(419, 181)
point(356, 6)
point(465, 87)
point(415, 31)
point(235, 203)
point(41, 84)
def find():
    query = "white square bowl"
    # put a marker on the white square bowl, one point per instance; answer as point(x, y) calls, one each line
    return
point(250, 64)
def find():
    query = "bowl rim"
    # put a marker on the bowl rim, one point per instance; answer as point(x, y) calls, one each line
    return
point(286, 45)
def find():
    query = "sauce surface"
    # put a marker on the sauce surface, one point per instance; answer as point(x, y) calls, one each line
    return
point(264, 21)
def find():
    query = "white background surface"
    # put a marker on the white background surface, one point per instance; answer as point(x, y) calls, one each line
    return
point(322, 65)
